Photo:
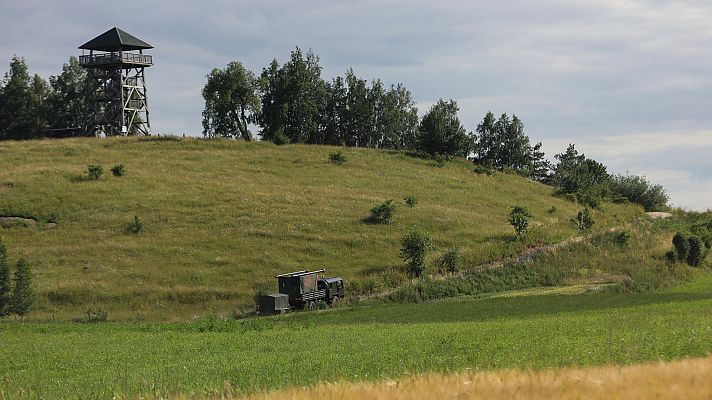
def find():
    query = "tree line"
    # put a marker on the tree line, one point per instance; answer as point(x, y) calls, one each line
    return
point(292, 103)
point(30, 105)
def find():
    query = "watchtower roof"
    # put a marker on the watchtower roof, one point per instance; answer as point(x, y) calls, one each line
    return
point(115, 40)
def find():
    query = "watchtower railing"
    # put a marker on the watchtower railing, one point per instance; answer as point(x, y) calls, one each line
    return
point(115, 58)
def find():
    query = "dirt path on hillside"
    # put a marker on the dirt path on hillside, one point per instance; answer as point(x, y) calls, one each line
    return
point(527, 255)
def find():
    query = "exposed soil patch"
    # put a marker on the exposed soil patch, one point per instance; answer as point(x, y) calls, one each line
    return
point(659, 215)
point(21, 222)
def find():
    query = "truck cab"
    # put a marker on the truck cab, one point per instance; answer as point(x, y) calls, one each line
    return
point(334, 289)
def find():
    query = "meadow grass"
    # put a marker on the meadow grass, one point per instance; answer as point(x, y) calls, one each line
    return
point(532, 330)
point(221, 217)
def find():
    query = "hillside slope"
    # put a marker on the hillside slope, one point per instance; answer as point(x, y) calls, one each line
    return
point(222, 216)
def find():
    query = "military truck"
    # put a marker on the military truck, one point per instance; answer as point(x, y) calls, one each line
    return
point(301, 290)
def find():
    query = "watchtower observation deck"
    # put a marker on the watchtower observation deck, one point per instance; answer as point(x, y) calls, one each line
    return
point(115, 66)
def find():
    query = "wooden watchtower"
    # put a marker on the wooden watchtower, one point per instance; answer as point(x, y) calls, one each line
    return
point(115, 66)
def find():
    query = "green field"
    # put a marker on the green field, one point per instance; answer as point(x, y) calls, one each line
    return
point(221, 217)
point(544, 328)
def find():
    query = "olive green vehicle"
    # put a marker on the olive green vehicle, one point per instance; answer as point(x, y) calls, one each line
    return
point(301, 290)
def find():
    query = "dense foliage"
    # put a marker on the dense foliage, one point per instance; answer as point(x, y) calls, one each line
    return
point(231, 102)
point(414, 248)
point(5, 282)
point(441, 132)
point(502, 144)
point(637, 189)
point(29, 105)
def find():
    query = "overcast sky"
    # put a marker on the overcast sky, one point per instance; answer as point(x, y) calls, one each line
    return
point(629, 82)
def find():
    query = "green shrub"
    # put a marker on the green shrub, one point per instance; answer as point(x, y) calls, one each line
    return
point(382, 213)
point(5, 282)
point(136, 226)
point(697, 251)
point(414, 249)
point(552, 210)
point(483, 170)
point(519, 219)
point(118, 170)
point(23, 298)
point(441, 160)
point(622, 239)
point(671, 257)
point(450, 260)
point(410, 201)
point(280, 138)
point(94, 172)
point(337, 158)
point(637, 189)
point(583, 219)
point(592, 197)
point(682, 246)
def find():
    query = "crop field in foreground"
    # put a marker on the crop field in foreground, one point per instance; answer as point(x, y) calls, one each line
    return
point(686, 379)
point(220, 217)
point(535, 329)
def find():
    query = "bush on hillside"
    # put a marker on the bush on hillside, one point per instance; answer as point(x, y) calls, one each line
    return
point(583, 219)
point(483, 170)
point(337, 158)
point(280, 138)
point(682, 246)
point(94, 172)
point(118, 170)
point(414, 249)
point(136, 226)
point(23, 298)
point(5, 282)
point(410, 201)
point(451, 260)
point(622, 239)
point(637, 189)
point(697, 251)
point(519, 219)
point(382, 213)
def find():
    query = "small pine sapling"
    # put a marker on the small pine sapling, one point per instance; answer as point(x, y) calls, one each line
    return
point(22, 296)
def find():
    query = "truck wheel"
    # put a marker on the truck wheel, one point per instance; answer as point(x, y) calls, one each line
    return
point(312, 306)
point(335, 302)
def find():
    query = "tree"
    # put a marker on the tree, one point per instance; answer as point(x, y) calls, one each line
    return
point(440, 131)
point(359, 111)
point(397, 119)
point(22, 296)
point(231, 102)
point(294, 99)
point(519, 219)
point(576, 174)
point(22, 102)
point(67, 102)
point(5, 283)
point(414, 249)
point(334, 115)
point(502, 144)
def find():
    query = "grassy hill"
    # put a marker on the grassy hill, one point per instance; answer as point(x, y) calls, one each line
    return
point(221, 217)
